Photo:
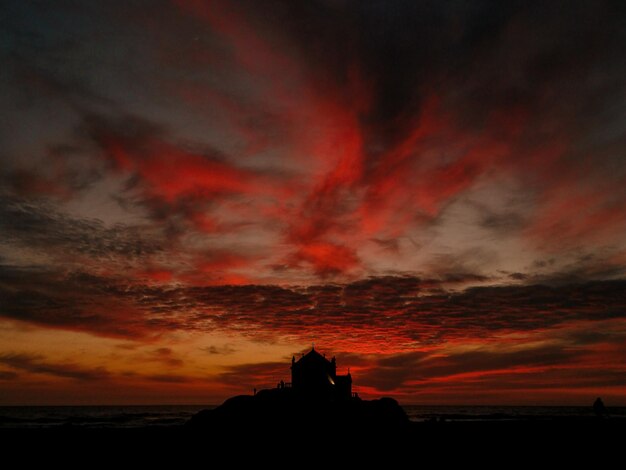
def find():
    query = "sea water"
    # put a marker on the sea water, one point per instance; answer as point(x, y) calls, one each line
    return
point(174, 415)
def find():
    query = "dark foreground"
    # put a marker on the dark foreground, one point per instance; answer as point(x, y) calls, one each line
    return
point(284, 430)
point(573, 440)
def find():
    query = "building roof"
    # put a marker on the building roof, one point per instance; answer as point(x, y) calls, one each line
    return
point(312, 356)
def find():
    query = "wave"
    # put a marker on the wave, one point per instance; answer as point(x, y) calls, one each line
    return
point(174, 415)
point(96, 417)
point(418, 413)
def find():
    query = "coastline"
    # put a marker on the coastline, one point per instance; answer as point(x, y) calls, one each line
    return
point(497, 441)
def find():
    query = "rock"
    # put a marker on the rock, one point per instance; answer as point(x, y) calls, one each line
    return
point(282, 411)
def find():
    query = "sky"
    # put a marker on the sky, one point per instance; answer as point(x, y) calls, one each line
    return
point(192, 191)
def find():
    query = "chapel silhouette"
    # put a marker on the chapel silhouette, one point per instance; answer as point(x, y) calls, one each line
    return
point(315, 399)
point(314, 376)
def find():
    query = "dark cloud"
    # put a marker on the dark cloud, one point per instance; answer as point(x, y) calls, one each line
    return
point(167, 357)
point(390, 372)
point(556, 361)
point(36, 224)
point(391, 244)
point(259, 375)
point(585, 266)
point(219, 350)
point(38, 365)
point(31, 63)
point(398, 311)
point(8, 375)
point(63, 185)
point(480, 361)
point(69, 301)
point(505, 223)
point(501, 56)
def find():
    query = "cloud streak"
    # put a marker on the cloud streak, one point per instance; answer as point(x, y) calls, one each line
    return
point(36, 364)
point(389, 313)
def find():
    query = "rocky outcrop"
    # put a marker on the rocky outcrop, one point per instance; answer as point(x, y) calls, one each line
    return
point(281, 410)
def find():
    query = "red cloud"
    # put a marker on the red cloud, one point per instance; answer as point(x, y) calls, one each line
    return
point(353, 176)
point(171, 172)
point(158, 275)
point(327, 258)
point(572, 213)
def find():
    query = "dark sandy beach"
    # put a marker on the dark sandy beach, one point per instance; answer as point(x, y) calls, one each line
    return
point(585, 435)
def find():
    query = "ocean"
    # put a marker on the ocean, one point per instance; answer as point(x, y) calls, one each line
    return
point(173, 415)
point(490, 413)
point(96, 416)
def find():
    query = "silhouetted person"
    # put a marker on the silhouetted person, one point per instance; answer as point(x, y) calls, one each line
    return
point(598, 408)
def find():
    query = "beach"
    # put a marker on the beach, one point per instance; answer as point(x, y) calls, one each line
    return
point(139, 429)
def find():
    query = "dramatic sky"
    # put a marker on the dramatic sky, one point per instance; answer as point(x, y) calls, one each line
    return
point(193, 191)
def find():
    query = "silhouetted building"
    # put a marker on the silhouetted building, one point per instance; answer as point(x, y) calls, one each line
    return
point(315, 376)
